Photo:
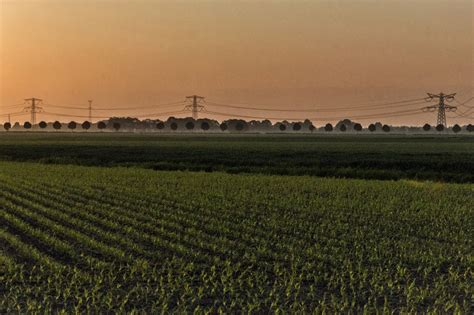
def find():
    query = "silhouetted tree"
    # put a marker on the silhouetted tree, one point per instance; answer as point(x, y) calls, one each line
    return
point(43, 125)
point(27, 125)
point(72, 125)
point(160, 125)
point(205, 125)
point(223, 126)
point(358, 127)
point(440, 127)
point(101, 125)
point(372, 127)
point(7, 126)
point(174, 126)
point(189, 125)
point(282, 127)
point(86, 125)
point(470, 128)
point(386, 128)
point(311, 127)
point(456, 128)
point(426, 127)
point(57, 125)
point(116, 126)
point(342, 128)
point(296, 126)
point(240, 125)
point(328, 127)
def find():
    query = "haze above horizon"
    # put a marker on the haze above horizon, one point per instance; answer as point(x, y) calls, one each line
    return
point(283, 55)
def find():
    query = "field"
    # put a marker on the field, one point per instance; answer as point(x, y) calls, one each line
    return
point(447, 159)
point(97, 224)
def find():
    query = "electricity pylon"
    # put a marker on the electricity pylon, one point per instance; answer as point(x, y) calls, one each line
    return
point(33, 108)
point(195, 106)
point(442, 107)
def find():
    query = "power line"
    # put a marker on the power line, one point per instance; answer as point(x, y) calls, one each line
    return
point(164, 105)
point(12, 105)
point(465, 102)
point(14, 114)
point(76, 116)
point(107, 117)
point(360, 117)
point(409, 102)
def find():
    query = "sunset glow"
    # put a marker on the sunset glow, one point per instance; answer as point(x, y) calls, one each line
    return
point(277, 54)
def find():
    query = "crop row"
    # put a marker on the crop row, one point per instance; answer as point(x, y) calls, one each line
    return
point(121, 240)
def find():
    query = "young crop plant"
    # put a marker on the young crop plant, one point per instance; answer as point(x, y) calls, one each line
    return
point(81, 239)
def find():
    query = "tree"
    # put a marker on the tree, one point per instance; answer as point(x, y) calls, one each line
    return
point(328, 127)
point(440, 127)
point(426, 127)
point(7, 126)
point(296, 126)
point(456, 128)
point(311, 127)
point(386, 128)
point(189, 125)
point(57, 125)
point(101, 125)
point(160, 125)
point(174, 126)
point(27, 125)
point(43, 125)
point(72, 125)
point(372, 127)
point(116, 126)
point(282, 127)
point(470, 128)
point(358, 127)
point(86, 125)
point(223, 126)
point(342, 128)
point(240, 125)
point(205, 125)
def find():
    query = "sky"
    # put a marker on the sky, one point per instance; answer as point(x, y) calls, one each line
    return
point(333, 59)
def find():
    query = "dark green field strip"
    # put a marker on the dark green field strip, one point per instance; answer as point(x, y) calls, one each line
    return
point(438, 158)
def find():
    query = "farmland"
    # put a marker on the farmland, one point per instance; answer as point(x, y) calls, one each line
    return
point(124, 223)
point(439, 158)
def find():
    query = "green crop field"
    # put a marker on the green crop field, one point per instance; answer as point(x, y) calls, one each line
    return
point(124, 224)
point(448, 159)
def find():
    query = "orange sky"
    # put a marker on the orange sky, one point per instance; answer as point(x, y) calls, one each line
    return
point(277, 54)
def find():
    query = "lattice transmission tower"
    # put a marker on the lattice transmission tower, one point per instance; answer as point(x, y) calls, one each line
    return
point(33, 108)
point(195, 107)
point(441, 107)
